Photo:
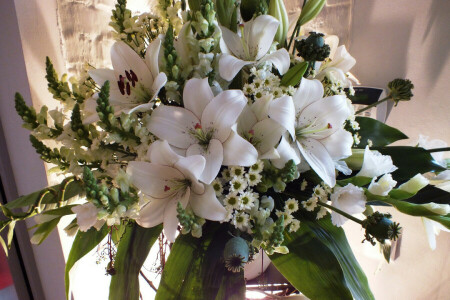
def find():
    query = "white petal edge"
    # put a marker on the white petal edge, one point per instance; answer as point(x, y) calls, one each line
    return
point(229, 66)
point(213, 156)
point(170, 215)
point(161, 153)
point(308, 92)
point(280, 59)
point(197, 95)
point(282, 110)
point(238, 152)
point(207, 206)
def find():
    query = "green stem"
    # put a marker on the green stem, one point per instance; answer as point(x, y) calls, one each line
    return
point(372, 105)
point(340, 212)
point(438, 149)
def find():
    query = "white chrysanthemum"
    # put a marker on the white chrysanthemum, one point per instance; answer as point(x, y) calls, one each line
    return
point(294, 226)
point(253, 178)
point(350, 199)
point(291, 205)
point(217, 186)
point(383, 186)
point(310, 204)
point(248, 199)
point(238, 184)
point(226, 175)
point(237, 171)
point(257, 167)
point(241, 221)
point(232, 200)
point(376, 164)
point(288, 218)
point(321, 213)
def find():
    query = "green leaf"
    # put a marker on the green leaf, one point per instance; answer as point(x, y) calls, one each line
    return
point(428, 194)
point(5, 248)
point(226, 14)
point(294, 75)
point(321, 264)
point(43, 230)
point(311, 9)
point(11, 233)
point(131, 253)
point(84, 242)
point(412, 209)
point(118, 232)
point(356, 180)
point(195, 270)
point(379, 133)
point(410, 161)
point(73, 188)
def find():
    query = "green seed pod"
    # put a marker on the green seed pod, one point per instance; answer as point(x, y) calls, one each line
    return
point(236, 254)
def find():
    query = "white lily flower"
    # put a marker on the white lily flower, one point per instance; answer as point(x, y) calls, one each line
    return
point(251, 47)
point(383, 186)
point(319, 133)
point(169, 179)
point(265, 121)
point(205, 126)
point(350, 199)
point(134, 82)
point(376, 164)
point(338, 64)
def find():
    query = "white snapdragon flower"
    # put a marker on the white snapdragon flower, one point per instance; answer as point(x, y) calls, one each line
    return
point(376, 164)
point(169, 179)
point(265, 121)
point(350, 199)
point(205, 126)
point(383, 186)
point(250, 47)
point(87, 216)
point(319, 134)
point(134, 82)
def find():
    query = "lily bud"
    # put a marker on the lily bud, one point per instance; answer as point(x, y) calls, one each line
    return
point(415, 184)
point(250, 8)
point(278, 10)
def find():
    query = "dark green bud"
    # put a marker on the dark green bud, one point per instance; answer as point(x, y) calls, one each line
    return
point(313, 48)
point(400, 90)
point(251, 8)
point(236, 254)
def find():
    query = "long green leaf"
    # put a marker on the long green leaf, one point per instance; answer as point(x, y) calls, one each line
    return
point(132, 251)
point(334, 238)
point(195, 270)
point(311, 9)
point(84, 242)
point(321, 264)
point(379, 133)
point(294, 75)
point(43, 230)
point(410, 161)
point(73, 188)
point(311, 267)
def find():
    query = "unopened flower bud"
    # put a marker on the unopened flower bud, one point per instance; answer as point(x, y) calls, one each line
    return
point(400, 90)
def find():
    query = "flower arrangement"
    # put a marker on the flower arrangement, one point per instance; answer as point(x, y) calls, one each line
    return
point(222, 134)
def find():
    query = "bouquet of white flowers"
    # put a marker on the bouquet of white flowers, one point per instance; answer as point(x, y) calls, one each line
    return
point(224, 135)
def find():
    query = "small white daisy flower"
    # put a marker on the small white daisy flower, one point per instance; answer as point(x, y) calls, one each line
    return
point(321, 213)
point(238, 184)
point(311, 204)
point(294, 226)
point(291, 205)
point(237, 171)
point(248, 199)
point(253, 178)
point(241, 221)
point(232, 200)
point(217, 186)
point(226, 175)
point(257, 167)
point(287, 217)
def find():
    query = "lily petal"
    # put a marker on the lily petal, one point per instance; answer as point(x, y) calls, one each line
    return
point(238, 152)
point(207, 206)
point(339, 144)
point(282, 110)
point(100, 76)
point(223, 112)
point(213, 156)
point(280, 59)
point(192, 167)
point(246, 120)
point(124, 58)
point(152, 56)
point(197, 95)
point(229, 66)
point(173, 124)
point(259, 34)
point(161, 153)
point(286, 153)
point(152, 214)
point(231, 43)
point(318, 158)
point(267, 134)
point(170, 215)
point(342, 59)
point(160, 81)
point(308, 92)
point(156, 181)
